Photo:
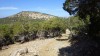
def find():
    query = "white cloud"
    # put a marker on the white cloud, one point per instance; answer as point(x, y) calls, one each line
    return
point(8, 8)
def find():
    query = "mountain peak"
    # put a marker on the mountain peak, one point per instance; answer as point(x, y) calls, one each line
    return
point(32, 15)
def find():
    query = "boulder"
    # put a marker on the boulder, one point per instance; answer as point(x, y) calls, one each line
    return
point(32, 36)
point(21, 39)
point(19, 52)
point(40, 34)
point(68, 31)
point(15, 38)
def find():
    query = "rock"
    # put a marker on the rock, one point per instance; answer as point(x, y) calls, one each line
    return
point(68, 31)
point(21, 39)
point(32, 36)
point(23, 51)
point(19, 52)
point(5, 47)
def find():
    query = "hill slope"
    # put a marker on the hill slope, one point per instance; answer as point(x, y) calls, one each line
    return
point(32, 15)
point(26, 16)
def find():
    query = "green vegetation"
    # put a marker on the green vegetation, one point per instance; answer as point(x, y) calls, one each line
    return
point(86, 9)
point(9, 28)
point(27, 26)
point(32, 28)
point(37, 25)
point(75, 24)
point(87, 40)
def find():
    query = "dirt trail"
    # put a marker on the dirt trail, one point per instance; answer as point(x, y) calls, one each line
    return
point(52, 48)
point(47, 47)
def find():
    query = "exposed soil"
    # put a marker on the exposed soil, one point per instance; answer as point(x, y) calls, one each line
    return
point(46, 47)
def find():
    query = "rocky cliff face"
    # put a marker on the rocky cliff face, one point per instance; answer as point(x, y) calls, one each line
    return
point(32, 15)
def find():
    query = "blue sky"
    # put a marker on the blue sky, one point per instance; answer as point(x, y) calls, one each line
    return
point(53, 7)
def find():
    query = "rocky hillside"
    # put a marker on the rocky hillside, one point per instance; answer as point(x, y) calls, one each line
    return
point(26, 16)
point(32, 15)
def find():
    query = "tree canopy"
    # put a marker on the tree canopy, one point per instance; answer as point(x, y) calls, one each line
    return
point(84, 9)
point(87, 41)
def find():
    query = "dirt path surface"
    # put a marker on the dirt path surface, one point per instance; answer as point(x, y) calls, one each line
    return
point(46, 47)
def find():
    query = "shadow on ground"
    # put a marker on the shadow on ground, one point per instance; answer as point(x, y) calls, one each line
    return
point(61, 39)
point(81, 47)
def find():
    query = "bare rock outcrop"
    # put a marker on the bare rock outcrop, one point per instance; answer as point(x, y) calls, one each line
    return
point(19, 52)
